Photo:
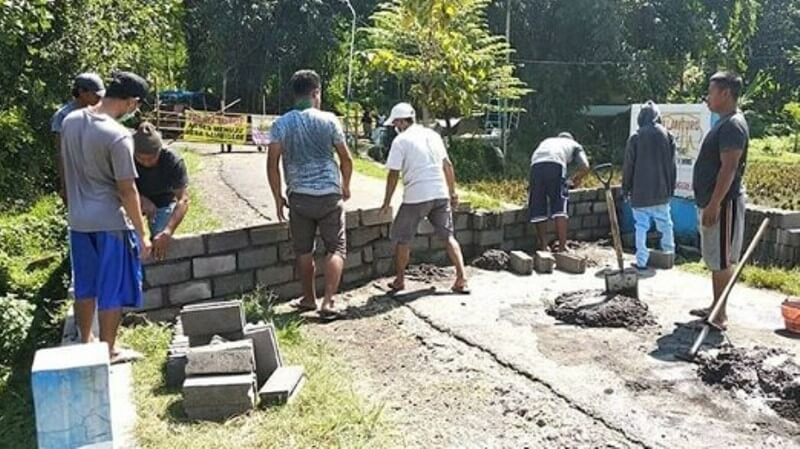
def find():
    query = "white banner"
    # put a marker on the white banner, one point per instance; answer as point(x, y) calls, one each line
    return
point(260, 126)
point(689, 123)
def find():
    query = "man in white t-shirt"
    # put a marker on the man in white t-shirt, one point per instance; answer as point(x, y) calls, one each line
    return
point(429, 191)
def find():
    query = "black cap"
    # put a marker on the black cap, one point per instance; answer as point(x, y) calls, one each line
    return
point(126, 85)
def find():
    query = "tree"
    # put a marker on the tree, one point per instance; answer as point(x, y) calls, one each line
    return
point(443, 49)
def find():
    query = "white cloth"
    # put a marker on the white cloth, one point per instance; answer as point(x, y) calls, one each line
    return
point(560, 150)
point(419, 154)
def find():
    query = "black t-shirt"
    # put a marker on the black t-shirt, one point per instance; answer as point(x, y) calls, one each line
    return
point(729, 133)
point(158, 183)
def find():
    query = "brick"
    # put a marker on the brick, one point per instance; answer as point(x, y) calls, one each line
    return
point(286, 251)
point(185, 247)
point(523, 215)
point(227, 241)
point(383, 248)
point(372, 217)
point(357, 275)
point(224, 358)
point(461, 221)
point(275, 275)
point(283, 386)
point(175, 370)
point(425, 228)
point(515, 231)
point(205, 391)
point(479, 221)
point(221, 317)
point(465, 237)
point(265, 347)
point(574, 224)
point(269, 234)
point(258, 258)
point(490, 238)
point(790, 237)
point(353, 260)
point(233, 284)
point(508, 217)
point(189, 292)
point(171, 273)
point(215, 265)
point(521, 263)
point(544, 262)
point(570, 263)
point(786, 220)
point(364, 235)
point(421, 243)
point(661, 260)
point(367, 255)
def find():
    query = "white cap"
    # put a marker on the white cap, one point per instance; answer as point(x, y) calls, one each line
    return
point(400, 110)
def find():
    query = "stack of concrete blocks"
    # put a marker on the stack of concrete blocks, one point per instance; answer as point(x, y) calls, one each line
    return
point(781, 243)
point(544, 262)
point(71, 397)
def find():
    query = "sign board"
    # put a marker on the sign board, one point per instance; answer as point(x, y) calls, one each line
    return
point(260, 127)
point(688, 123)
point(215, 128)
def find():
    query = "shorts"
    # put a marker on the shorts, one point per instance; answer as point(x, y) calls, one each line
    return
point(409, 216)
point(161, 219)
point(548, 193)
point(307, 213)
point(107, 266)
point(722, 243)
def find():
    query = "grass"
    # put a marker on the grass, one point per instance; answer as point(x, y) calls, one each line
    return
point(327, 414)
point(200, 218)
point(784, 280)
point(774, 149)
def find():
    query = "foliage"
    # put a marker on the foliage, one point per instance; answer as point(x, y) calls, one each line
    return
point(259, 305)
point(475, 160)
point(199, 218)
point(16, 317)
point(774, 185)
point(445, 52)
point(22, 164)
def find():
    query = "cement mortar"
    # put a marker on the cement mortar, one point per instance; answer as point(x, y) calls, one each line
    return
point(429, 273)
point(593, 308)
point(492, 260)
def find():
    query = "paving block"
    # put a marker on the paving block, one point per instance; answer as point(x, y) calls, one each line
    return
point(223, 358)
point(189, 292)
point(233, 284)
point(283, 386)
point(71, 397)
point(175, 370)
point(544, 262)
point(153, 299)
point(490, 237)
point(661, 260)
point(170, 273)
point(352, 219)
point(211, 318)
point(228, 241)
point(570, 263)
point(218, 397)
point(186, 247)
point(265, 346)
point(521, 263)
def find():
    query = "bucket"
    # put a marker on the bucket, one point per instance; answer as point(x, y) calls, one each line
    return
point(791, 314)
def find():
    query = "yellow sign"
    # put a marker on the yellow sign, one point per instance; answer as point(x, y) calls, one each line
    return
point(215, 128)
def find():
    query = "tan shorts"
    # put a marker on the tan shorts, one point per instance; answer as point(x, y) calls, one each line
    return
point(409, 216)
point(307, 213)
point(722, 243)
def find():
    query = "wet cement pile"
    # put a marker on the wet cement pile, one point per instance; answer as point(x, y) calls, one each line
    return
point(429, 273)
point(762, 372)
point(492, 260)
point(593, 308)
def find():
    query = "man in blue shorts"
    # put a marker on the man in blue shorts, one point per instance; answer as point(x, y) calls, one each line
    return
point(107, 237)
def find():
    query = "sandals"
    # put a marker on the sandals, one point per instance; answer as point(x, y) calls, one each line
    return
point(330, 315)
point(301, 306)
point(462, 290)
point(702, 312)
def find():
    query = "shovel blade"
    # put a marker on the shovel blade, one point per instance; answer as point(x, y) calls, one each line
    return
point(624, 282)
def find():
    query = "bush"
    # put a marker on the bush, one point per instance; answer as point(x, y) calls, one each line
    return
point(16, 317)
point(475, 160)
point(23, 163)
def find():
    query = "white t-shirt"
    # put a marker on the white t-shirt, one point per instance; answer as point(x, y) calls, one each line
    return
point(419, 154)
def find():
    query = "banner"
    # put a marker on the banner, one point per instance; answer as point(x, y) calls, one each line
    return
point(688, 123)
point(260, 127)
point(215, 128)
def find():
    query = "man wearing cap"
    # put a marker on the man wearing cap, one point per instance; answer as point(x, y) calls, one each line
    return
point(305, 139)
point(549, 187)
point(162, 186)
point(87, 90)
point(107, 238)
point(429, 191)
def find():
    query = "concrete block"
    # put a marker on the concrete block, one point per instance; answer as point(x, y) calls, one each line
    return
point(362, 236)
point(186, 247)
point(514, 231)
point(258, 258)
point(224, 358)
point(216, 413)
point(461, 221)
point(190, 292)
point(228, 241)
point(289, 290)
point(283, 386)
point(367, 255)
point(584, 235)
point(786, 220)
point(171, 273)
point(269, 234)
point(353, 260)
point(230, 390)
point(71, 397)
point(570, 263)
point(479, 221)
point(233, 284)
point(544, 262)
point(275, 275)
point(213, 266)
point(508, 217)
point(583, 208)
point(521, 263)
point(600, 207)
point(590, 221)
point(465, 237)
point(425, 228)
point(574, 223)
point(357, 275)
point(382, 248)
point(286, 251)
point(153, 298)
point(352, 219)
point(372, 217)
point(207, 339)
point(175, 370)
point(790, 237)
point(438, 243)
point(490, 237)
point(661, 260)
point(212, 318)
point(421, 243)
point(384, 267)
point(265, 347)
point(571, 209)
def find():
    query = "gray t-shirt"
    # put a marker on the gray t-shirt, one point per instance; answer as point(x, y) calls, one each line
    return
point(61, 114)
point(308, 138)
point(97, 152)
point(560, 150)
point(729, 133)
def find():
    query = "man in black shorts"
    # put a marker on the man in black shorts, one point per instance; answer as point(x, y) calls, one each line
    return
point(549, 188)
point(718, 189)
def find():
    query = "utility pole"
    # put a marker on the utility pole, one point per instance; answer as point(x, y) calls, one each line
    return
point(350, 74)
point(505, 122)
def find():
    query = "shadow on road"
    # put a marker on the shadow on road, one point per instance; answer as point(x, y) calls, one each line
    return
point(682, 338)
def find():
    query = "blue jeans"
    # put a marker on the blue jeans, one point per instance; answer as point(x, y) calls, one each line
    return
point(161, 219)
point(644, 216)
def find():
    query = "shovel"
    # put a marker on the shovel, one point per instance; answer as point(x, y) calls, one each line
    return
point(624, 281)
point(723, 299)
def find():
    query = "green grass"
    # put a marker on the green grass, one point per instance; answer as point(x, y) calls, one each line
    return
point(327, 414)
point(200, 218)
point(774, 149)
point(779, 279)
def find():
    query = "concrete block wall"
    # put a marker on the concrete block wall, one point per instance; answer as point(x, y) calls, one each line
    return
point(781, 243)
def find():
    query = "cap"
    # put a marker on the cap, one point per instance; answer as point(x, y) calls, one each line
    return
point(566, 135)
point(400, 110)
point(147, 139)
point(90, 82)
point(127, 85)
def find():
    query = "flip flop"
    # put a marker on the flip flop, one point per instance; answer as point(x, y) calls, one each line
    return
point(701, 312)
point(330, 315)
point(463, 290)
point(125, 355)
point(300, 306)
point(394, 289)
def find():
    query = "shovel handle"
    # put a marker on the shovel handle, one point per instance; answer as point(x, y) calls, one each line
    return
point(605, 180)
